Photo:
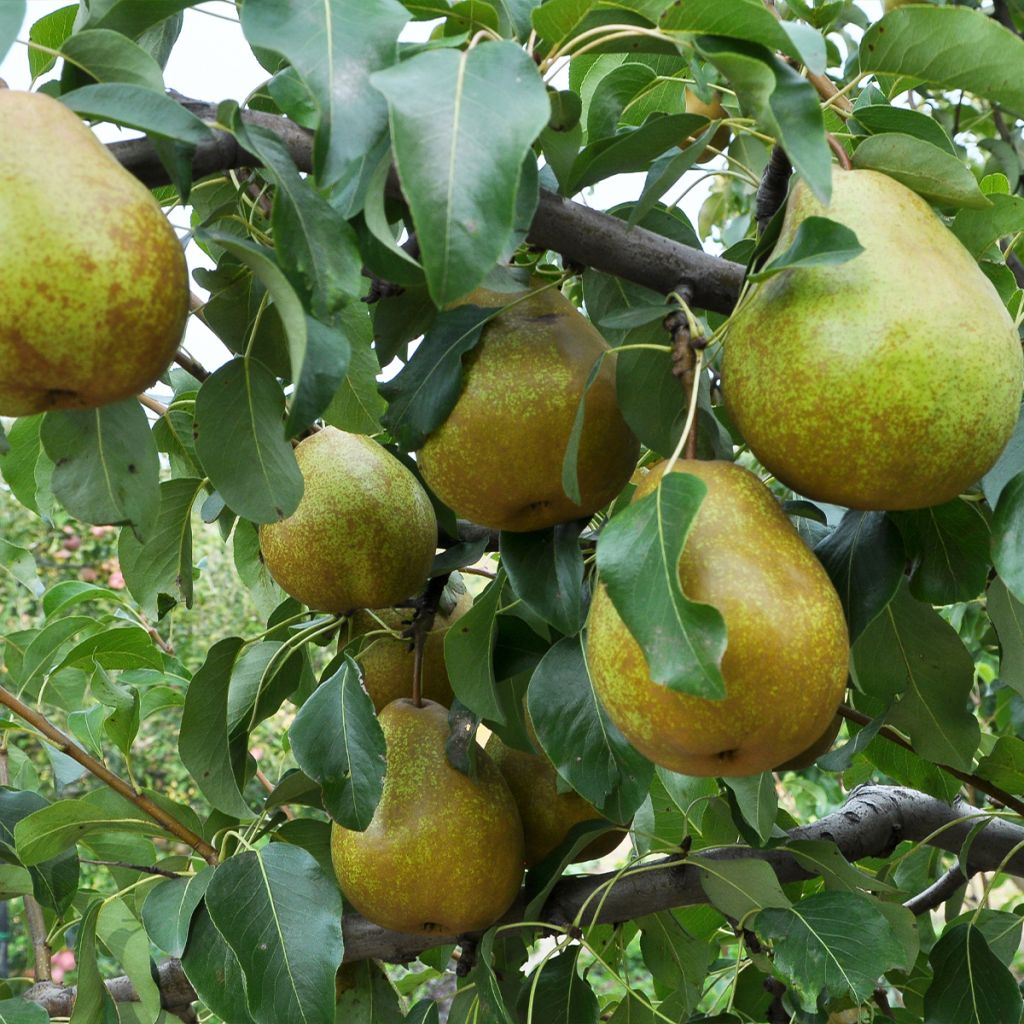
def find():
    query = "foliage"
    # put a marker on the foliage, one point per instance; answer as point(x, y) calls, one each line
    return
point(172, 658)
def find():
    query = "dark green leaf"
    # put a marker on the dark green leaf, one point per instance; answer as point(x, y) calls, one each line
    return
point(124, 646)
point(459, 146)
point(1005, 764)
point(560, 995)
point(1008, 536)
point(425, 392)
point(1007, 615)
point(638, 557)
point(970, 985)
point(106, 465)
point(281, 916)
point(911, 653)
point(337, 740)
point(570, 461)
point(109, 56)
point(612, 95)
point(740, 887)
point(122, 934)
point(880, 119)
point(949, 545)
point(372, 1000)
point(677, 960)
point(928, 44)
point(568, 718)
point(167, 912)
point(335, 46)
point(240, 438)
point(93, 1004)
point(11, 17)
point(757, 801)
point(932, 172)
point(130, 17)
point(545, 569)
point(864, 558)
point(832, 944)
point(743, 19)
point(203, 741)
point(468, 645)
point(357, 405)
point(154, 113)
point(666, 170)
point(818, 242)
point(213, 970)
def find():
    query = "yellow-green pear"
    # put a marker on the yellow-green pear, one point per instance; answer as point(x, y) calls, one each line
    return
point(364, 533)
point(547, 815)
point(93, 282)
point(714, 111)
point(497, 459)
point(785, 666)
point(444, 852)
point(388, 662)
point(891, 381)
point(822, 745)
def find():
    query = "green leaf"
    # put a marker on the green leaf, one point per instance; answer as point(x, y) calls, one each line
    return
point(612, 96)
point(545, 569)
point(928, 44)
point(281, 916)
point(757, 801)
point(93, 1004)
point(864, 558)
point(50, 31)
point(122, 934)
point(741, 19)
point(335, 46)
point(106, 465)
point(971, 985)
point(163, 565)
point(111, 57)
point(880, 119)
point(911, 653)
point(1005, 764)
point(560, 995)
point(818, 242)
point(824, 858)
point(468, 647)
point(124, 646)
point(666, 170)
point(22, 462)
point(459, 146)
point(677, 960)
point(53, 829)
point(11, 17)
point(1008, 536)
point(570, 461)
point(167, 912)
point(318, 352)
point(931, 172)
point(203, 741)
point(19, 564)
point(44, 648)
point(22, 1011)
point(337, 740)
point(372, 1000)
point(832, 944)
point(357, 406)
point(569, 718)
point(241, 441)
point(316, 246)
point(978, 228)
point(1007, 615)
point(132, 106)
point(949, 545)
point(425, 392)
point(740, 887)
point(131, 18)
point(638, 558)
point(213, 970)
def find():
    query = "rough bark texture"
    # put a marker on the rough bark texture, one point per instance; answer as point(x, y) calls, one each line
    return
point(870, 824)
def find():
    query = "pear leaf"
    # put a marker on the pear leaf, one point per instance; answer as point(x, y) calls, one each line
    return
point(1008, 536)
point(818, 242)
point(93, 1003)
point(638, 558)
point(169, 907)
point(338, 741)
point(110, 56)
point(213, 970)
point(11, 17)
point(1007, 615)
point(133, 106)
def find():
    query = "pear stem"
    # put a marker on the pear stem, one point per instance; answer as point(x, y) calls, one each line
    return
point(685, 343)
point(422, 623)
point(841, 155)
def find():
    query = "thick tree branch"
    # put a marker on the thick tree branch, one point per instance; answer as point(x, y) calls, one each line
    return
point(581, 235)
point(871, 823)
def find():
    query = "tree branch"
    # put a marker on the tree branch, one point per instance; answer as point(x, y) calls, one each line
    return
point(938, 892)
point(580, 234)
point(873, 821)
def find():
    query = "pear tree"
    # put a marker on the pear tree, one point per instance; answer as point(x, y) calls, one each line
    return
point(637, 581)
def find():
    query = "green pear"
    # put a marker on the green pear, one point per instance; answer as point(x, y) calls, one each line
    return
point(444, 851)
point(388, 662)
point(94, 285)
point(364, 533)
point(547, 815)
point(497, 458)
point(785, 666)
point(891, 381)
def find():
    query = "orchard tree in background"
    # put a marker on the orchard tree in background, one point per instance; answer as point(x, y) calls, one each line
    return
point(796, 682)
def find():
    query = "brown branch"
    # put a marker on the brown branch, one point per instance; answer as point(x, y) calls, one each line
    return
point(581, 235)
point(982, 785)
point(153, 405)
point(104, 774)
point(187, 363)
point(143, 869)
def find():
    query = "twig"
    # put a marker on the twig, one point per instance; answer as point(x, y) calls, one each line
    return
point(422, 623)
point(141, 868)
point(153, 405)
point(982, 785)
point(837, 147)
point(186, 362)
point(262, 779)
point(938, 892)
point(104, 774)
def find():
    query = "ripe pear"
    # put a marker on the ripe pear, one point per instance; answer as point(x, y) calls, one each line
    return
point(891, 381)
point(444, 852)
point(822, 745)
point(497, 459)
point(785, 665)
point(714, 111)
point(388, 662)
point(93, 282)
point(547, 815)
point(364, 533)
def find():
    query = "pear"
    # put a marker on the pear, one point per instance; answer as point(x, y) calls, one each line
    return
point(891, 381)
point(94, 284)
point(364, 533)
point(785, 666)
point(497, 459)
point(388, 663)
point(444, 851)
point(547, 815)
point(822, 745)
point(714, 111)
